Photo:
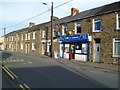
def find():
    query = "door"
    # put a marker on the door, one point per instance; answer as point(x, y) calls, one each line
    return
point(61, 50)
point(72, 51)
point(97, 52)
point(43, 51)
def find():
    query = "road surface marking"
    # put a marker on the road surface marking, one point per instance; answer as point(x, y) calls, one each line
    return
point(8, 73)
point(22, 87)
point(27, 87)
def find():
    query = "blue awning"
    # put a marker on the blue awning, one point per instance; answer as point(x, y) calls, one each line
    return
point(75, 38)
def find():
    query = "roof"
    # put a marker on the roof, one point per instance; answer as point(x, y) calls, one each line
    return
point(113, 7)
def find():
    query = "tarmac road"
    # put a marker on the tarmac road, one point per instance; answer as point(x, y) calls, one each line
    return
point(41, 72)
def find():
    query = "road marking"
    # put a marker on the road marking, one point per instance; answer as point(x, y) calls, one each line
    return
point(8, 73)
point(27, 87)
point(22, 87)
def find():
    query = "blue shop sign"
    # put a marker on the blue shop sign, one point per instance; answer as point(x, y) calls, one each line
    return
point(75, 38)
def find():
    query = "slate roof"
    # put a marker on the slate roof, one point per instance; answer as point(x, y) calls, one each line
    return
point(109, 8)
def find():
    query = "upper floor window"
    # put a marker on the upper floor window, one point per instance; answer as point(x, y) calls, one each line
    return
point(78, 27)
point(64, 30)
point(116, 47)
point(12, 38)
point(97, 25)
point(21, 36)
point(118, 21)
point(34, 35)
point(28, 36)
point(43, 34)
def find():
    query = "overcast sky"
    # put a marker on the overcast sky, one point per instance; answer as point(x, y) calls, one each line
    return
point(13, 12)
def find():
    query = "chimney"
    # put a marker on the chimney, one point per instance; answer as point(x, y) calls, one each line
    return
point(74, 11)
point(31, 24)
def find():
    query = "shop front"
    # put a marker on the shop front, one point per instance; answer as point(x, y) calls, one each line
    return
point(75, 47)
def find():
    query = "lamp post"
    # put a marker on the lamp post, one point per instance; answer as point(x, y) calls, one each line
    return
point(51, 54)
point(4, 38)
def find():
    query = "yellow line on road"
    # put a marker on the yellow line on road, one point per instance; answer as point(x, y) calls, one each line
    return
point(27, 87)
point(8, 73)
point(22, 87)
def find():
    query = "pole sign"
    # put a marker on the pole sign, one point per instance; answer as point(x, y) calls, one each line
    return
point(75, 38)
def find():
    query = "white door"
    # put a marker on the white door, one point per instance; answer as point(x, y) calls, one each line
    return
point(97, 52)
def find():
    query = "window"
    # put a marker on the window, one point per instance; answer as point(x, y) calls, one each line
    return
point(54, 32)
point(116, 47)
point(21, 36)
point(12, 38)
point(28, 36)
point(78, 46)
point(77, 27)
point(118, 21)
point(43, 34)
point(25, 36)
point(64, 30)
point(33, 46)
point(34, 35)
point(21, 47)
point(97, 25)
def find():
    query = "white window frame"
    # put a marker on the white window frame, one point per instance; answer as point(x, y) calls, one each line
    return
point(12, 38)
point(114, 47)
point(21, 46)
point(76, 27)
point(63, 31)
point(43, 34)
point(26, 36)
point(117, 21)
point(33, 48)
point(34, 35)
point(94, 25)
point(22, 37)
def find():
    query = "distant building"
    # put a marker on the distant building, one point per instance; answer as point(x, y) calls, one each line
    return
point(1, 43)
point(91, 35)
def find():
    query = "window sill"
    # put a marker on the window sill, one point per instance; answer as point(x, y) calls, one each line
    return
point(116, 56)
point(97, 31)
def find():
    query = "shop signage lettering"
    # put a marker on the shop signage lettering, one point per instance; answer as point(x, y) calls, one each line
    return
point(75, 37)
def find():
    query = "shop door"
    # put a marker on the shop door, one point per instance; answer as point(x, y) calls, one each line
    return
point(97, 52)
point(72, 52)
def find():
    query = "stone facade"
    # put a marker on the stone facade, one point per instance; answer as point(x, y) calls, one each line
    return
point(17, 42)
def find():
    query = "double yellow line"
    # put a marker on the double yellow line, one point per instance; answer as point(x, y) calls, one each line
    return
point(9, 72)
point(25, 87)
point(13, 76)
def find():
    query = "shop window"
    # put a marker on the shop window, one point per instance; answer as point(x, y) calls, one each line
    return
point(118, 21)
point(97, 25)
point(33, 46)
point(64, 30)
point(78, 46)
point(116, 47)
point(77, 27)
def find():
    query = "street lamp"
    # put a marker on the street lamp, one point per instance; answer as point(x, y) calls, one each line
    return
point(51, 29)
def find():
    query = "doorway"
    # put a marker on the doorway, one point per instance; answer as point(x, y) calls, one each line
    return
point(96, 50)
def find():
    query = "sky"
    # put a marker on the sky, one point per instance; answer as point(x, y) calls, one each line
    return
point(16, 14)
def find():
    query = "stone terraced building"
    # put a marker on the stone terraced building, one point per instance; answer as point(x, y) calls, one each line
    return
point(91, 35)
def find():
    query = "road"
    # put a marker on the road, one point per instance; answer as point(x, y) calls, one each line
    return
point(44, 72)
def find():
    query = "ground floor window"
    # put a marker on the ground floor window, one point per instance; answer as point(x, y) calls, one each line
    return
point(33, 46)
point(116, 47)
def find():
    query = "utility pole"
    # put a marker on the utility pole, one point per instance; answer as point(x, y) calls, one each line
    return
point(52, 30)
point(4, 38)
